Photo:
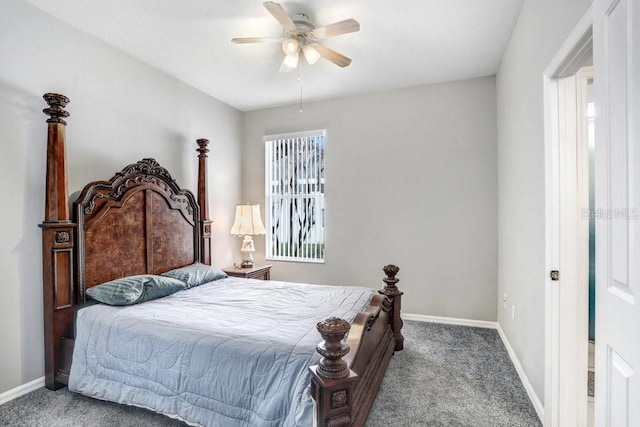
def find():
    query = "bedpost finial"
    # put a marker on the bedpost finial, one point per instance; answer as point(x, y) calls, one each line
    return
point(391, 270)
point(202, 147)
point(332, 349)
point(56, 111)
point(390, 281)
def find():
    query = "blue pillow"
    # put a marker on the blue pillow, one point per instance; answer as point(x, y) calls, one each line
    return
point(134, 289)
point(196, 274)
point(160, 286)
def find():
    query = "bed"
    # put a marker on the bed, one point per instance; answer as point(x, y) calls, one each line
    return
point(142, 222)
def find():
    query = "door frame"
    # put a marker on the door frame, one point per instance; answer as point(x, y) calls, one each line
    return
point(565, 246)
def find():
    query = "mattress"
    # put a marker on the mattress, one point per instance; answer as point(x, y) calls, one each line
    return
point(233, 352)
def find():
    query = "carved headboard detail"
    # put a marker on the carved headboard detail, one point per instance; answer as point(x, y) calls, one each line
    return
point(139, 222)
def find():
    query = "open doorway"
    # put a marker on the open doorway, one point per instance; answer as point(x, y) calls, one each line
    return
point(609, 35)
point(567, 223)
point(587, 140)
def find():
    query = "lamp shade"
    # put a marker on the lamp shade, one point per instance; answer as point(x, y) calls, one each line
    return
point(291, 60)
point(310, 54)
point(290, 46)
point(247, 221)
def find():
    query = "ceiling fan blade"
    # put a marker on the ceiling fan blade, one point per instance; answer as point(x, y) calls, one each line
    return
point(290, 62)
point(337, 28)
point(281, 16)
point(331, 55)
point(243, 40)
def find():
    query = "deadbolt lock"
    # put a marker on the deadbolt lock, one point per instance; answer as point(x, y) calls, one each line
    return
point(555, 275)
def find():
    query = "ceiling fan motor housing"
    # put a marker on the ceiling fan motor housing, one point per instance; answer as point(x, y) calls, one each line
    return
point(294, 41)
point(303, 23)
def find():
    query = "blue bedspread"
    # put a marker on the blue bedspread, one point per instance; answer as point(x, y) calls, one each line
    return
point(233, 352)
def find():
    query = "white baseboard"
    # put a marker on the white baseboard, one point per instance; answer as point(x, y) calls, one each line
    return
point(535, 401)
point(21, 390)
point(537, 404)
point(450, 320)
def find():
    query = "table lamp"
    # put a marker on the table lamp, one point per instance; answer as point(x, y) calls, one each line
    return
point(247, 223)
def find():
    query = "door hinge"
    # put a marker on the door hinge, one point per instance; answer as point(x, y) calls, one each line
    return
point(555, 275)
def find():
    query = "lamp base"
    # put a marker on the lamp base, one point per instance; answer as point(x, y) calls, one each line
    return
point(247, 253)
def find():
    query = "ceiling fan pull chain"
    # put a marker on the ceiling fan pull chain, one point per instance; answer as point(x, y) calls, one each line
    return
point(300, 82)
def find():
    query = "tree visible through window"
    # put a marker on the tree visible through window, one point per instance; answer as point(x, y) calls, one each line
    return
point(295, 196)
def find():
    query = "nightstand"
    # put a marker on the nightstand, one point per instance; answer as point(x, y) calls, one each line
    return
point(262, 272)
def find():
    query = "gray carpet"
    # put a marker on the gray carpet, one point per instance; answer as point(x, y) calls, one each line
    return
point(446, 376)
point(452, 376)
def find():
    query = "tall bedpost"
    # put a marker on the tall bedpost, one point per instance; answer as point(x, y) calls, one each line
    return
point(205, 222)
point(332, 382)
point(393, 293)
point(57, 250)
point(56, 205)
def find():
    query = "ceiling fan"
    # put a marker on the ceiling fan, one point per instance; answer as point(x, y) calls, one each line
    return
point(300, 35)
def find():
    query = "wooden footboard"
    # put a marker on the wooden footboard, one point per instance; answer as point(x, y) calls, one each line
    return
point(346, 381)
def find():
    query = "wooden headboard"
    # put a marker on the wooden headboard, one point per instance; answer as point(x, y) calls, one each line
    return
point(138, 222)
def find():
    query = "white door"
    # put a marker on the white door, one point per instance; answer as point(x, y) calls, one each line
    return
point(616, 37)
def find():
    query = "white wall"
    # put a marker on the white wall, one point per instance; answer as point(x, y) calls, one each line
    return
point(542, 28)
point(121, 111)
point(410, 180)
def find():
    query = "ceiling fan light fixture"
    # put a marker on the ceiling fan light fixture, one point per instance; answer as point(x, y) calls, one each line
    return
point(290, 46)
point(300, 34)
point(310, 54)
point(291, 61)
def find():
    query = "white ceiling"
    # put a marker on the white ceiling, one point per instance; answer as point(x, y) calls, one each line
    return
point(400, 44)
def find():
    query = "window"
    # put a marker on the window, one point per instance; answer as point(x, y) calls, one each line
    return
point(294, 176)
